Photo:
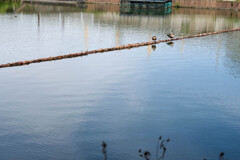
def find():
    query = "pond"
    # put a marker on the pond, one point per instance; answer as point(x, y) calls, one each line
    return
point(187, 90)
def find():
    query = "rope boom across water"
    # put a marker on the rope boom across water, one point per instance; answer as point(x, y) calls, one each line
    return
point(129, 46)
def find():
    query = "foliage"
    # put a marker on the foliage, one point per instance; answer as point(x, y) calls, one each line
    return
point(6, 7)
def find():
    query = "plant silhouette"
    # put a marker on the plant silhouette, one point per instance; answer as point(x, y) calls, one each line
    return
point(160, 151)
point(104, 149)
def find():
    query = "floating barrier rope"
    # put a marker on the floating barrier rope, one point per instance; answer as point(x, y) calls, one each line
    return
point(20, 63)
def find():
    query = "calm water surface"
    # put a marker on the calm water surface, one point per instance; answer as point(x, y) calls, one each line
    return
point(188, 91)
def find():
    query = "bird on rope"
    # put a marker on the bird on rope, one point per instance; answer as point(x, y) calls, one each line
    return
point(170, 36)
point(154, 38)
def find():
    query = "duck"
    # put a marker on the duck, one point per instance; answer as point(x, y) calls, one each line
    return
point(170, 36)
point(154, 38)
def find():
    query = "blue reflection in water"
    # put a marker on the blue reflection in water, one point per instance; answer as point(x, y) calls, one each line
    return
point(64, 109)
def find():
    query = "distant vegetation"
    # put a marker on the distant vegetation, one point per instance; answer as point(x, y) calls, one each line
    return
point(8, 7)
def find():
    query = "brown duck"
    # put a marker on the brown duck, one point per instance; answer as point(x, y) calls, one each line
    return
point(154, 38)
point(170, 36)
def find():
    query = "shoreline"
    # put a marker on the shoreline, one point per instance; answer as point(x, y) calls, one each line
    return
point(228, 5)
point(212, 4)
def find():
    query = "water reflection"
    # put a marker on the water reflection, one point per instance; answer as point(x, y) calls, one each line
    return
point(38, 19)
point(154, 47)
point(181, 21)
point(126, 28)
point(170, 44)
point(85, 37)
point(125, 97)
point(122, 24)
point(232, 57)
point(144, 9)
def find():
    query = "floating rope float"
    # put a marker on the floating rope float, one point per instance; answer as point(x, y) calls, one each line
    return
point(129, 46)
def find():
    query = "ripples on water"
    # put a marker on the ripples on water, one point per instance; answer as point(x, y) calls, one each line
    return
point(188, 91)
